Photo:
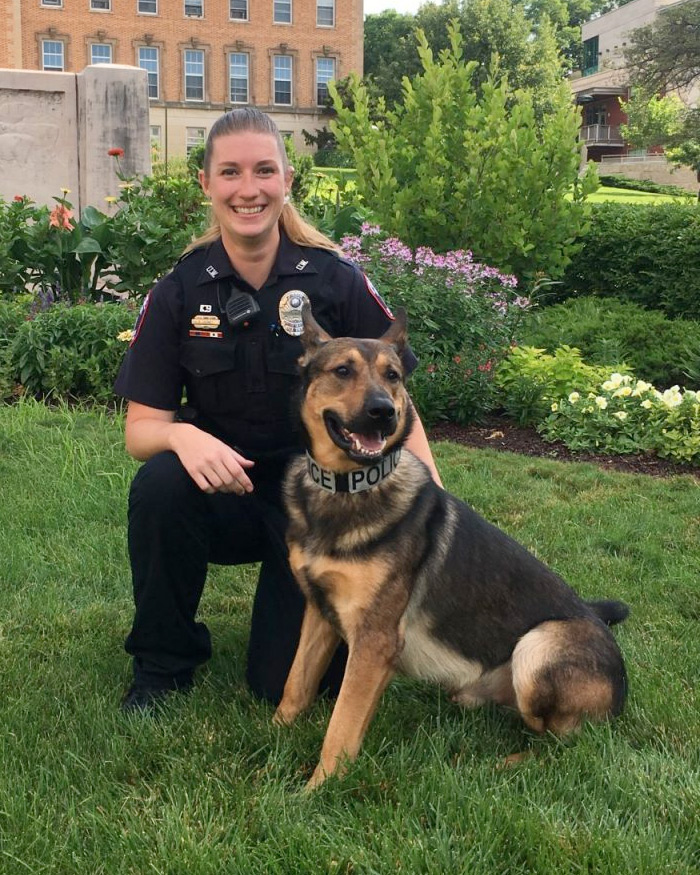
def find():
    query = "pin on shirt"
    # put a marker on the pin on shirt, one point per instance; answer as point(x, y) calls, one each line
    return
point(290, 307)
point(212, 271)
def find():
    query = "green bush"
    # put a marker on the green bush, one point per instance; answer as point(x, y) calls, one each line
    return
point(625, 182)
point(529, 380)
point(468, 164)
point(648, 254)
point(71, 351)
point(612, 332)
point(624, 415)
point(462, 319)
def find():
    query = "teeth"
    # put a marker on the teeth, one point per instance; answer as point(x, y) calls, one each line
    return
point(248, 211)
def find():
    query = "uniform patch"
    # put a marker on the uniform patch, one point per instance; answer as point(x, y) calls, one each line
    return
point(212, 271)
point(205, 308)
point(203, 321)
point(218, 335)
point(140, 318)
point(302, 264)
point(377, 297)
point(290, 312)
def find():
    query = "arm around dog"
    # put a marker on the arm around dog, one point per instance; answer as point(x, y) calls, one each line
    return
point(417, 443)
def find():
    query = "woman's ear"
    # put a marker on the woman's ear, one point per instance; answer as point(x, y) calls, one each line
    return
point(203, 182)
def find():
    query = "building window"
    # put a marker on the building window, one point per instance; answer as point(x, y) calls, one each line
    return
point(52, 2)
point(194, 8)
point(194, 74)
point(325, 71)
point(148, 60)
point(239, 67)
point(155, 135)
point(194, 137)
point(590, 56)
point(283, 80)
point(100, 53)
point(52, 55)
point(148, 7)
point(101, 5)
point(238, 10)
point(282, 11)
point(325, 13)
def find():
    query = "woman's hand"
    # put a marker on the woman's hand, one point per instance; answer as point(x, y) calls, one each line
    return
point(211, 463)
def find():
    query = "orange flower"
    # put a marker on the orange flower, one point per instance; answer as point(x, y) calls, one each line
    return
point(116, 153)
point(18, 197)
point(60, 217)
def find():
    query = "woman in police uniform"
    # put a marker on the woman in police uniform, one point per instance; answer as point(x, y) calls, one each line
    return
point(223, 328)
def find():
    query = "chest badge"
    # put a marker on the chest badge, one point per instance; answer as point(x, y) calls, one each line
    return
point(290, 312)
point(207, 322)
point(212, 271)
point(205, 308)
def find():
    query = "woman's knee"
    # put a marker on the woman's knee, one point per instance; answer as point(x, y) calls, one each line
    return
point(162, 483)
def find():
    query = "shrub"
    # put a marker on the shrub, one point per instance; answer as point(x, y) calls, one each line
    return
point(462, 164)
point(71, 350)
point(529, 380)
point(462, 319)
point(648, 254)
point(625, 182)
point(625, 415)
point(612, 332)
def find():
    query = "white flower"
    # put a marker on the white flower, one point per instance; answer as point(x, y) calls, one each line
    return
point(615, 381)
point(622, 392)
point(640, 388)
point(672, 397)
point(621, 415)
point(573, 398)
point(646, 404)
point(601, 402)
point(555, 407)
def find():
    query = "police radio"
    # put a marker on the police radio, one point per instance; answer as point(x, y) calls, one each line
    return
point(241, 307)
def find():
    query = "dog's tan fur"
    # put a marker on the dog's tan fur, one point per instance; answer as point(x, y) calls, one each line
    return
point(375, 574)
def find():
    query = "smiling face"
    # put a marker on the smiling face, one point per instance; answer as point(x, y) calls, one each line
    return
point(247, 180)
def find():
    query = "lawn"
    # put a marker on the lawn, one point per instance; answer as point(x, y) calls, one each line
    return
point(213, 787)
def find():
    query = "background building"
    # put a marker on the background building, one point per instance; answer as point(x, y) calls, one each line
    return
point(202, 56)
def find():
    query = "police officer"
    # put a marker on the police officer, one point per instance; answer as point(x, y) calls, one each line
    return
point(223, 328)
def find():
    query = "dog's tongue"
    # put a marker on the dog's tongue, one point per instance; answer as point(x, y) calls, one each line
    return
point(369, 443)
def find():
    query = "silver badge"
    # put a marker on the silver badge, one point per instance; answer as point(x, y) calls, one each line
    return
point(290, 312)
point(212, 271)
point(302, 264)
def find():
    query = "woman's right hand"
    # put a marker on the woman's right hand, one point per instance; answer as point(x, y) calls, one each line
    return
point(211, 463)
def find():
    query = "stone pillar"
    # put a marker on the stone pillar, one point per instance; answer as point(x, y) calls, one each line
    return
point(112, 114)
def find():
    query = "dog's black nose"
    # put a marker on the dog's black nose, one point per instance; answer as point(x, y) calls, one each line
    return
point(380, 407)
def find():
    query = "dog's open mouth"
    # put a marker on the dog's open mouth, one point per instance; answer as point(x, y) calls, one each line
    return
point(361, 447)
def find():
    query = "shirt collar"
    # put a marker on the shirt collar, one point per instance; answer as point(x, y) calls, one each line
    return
point(289, 261)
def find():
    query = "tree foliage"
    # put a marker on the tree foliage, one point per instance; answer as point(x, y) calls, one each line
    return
point(464, 161)
point(664, 120)
point(666, 53)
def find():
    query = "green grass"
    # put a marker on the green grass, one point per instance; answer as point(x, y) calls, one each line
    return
point(213, 787)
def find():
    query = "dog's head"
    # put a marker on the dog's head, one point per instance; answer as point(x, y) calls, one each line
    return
point(354, 407)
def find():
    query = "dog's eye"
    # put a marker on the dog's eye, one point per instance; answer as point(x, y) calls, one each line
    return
point(342, 371)
point(393, 376)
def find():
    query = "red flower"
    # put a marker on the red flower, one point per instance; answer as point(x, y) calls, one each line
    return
point(60, 217)
point(457, 359)
point(116, 153)
point(19, 197)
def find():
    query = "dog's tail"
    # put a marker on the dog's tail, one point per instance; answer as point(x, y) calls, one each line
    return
point(610, 612)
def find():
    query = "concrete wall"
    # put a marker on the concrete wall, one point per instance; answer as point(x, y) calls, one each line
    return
point(56, 130)
point(656, 170)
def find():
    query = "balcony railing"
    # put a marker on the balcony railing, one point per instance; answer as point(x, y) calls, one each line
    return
point(608, 135)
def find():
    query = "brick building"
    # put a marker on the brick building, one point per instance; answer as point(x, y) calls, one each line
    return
point(202, 56)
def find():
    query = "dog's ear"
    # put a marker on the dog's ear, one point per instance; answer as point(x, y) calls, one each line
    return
point(313, 335)
point(397, 334)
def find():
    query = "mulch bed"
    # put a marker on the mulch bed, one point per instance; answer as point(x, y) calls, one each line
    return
point(496, 433)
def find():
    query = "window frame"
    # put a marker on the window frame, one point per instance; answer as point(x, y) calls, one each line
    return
point(275, 19)
point(318, 83)
point(201, 53)
point(275, 80)
point(52, 4)
point(231, 56)
point(140, 11)
point(325, 4)
point(108, 8)
point(103, 45)
point(189, 145)
point(190, 14)
point(57, 42)
point(150, 73)
point(232, 17)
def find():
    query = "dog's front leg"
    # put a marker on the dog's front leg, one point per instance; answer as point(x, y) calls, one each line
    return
point(369, 670)
point(318, 642)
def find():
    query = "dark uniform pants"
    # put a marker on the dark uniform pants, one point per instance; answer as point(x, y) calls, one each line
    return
point(175, 531)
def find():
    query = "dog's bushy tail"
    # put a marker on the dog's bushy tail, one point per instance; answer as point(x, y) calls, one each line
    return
point(610, 612)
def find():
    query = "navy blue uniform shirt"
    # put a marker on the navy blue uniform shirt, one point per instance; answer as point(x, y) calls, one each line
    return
point(239, 384)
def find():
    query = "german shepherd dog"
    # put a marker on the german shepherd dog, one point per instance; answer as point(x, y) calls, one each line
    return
point(415, 580)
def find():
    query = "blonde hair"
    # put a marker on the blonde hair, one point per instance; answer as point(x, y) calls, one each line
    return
point(242, 120)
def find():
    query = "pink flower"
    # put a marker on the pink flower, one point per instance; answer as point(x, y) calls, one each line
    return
point(431, 368)
point(116, 153)
point(60, 217)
